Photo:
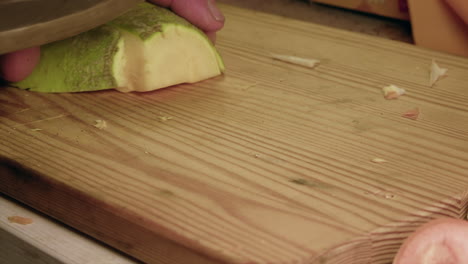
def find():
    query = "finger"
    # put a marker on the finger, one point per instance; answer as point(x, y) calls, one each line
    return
point(18, 65)
point(460, 7)
point(440, 241)
point(202, 13)
point(163, 3)
point(211, 36)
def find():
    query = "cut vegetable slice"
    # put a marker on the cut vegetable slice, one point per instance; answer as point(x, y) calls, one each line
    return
point(378, 160)
point(411, 114)
point(392, 92)
point(309, 63)
point(100, 124)
point(436, 73)
point(145, 49)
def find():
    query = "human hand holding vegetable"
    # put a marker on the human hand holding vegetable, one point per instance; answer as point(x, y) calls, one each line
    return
point(204, 14)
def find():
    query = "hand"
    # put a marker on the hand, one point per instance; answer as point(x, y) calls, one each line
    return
point(460, 7)
point(204, 14)
point(441, 241)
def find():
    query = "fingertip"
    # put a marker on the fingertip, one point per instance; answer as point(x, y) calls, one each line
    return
point(202, 13)
point(18, 65)
point(211, 36)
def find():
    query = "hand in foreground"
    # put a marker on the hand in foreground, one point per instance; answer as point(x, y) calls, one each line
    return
point(441, 241)
point(460, 7)
point(204, 14)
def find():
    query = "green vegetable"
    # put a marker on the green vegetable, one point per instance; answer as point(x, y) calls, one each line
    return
point(145, 49)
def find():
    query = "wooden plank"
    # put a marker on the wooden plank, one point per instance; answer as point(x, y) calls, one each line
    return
point(314, 13)
point(267, 164)
point(338, 18)
point(45, 241)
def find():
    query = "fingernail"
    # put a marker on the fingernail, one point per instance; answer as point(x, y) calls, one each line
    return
point(215, 12)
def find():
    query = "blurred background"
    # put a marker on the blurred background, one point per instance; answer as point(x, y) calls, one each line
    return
point(429, 24)
point(336, 16)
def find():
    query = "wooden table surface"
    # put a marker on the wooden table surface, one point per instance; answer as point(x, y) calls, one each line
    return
point(27, 244)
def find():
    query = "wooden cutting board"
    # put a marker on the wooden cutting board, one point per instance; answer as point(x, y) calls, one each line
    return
point(270, 163)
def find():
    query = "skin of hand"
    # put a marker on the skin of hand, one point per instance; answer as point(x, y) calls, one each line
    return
point(460, 7)
point(440, 241)
point(204, 14)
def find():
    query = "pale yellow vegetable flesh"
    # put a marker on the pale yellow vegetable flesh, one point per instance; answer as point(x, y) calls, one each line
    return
point(147, 48)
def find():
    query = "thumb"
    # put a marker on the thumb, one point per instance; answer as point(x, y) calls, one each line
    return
point(18, 65)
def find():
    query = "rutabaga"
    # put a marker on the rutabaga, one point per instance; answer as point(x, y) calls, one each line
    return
point(145, 49)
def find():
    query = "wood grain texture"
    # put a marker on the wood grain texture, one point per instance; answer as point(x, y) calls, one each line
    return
point(46, 242)
point(270, 163)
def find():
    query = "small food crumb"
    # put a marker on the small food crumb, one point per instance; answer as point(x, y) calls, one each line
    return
point(378, 160)
point(100, 124)
point(436, 73)
point(164, 118)
point(20, 220)
point(392, 92)
point(309, 63)
point(36, 129)
point(412, 114)
point(247, 87)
